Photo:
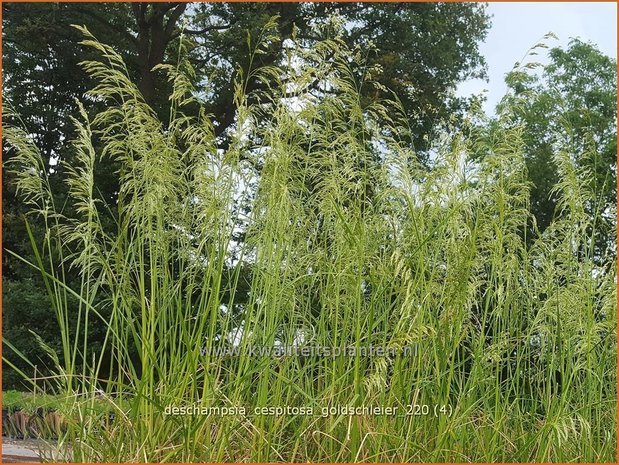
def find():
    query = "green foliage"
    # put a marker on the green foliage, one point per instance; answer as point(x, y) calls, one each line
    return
point(420, 51)
point(571, 106)
point(17, 400)
point(350, 242)
point(25, 309)
point(423, 50)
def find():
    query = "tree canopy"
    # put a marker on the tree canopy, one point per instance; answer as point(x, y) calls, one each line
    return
point(573, 102)
point(423, 50)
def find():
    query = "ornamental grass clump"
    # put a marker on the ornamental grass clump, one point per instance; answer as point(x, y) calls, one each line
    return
point(314, 225)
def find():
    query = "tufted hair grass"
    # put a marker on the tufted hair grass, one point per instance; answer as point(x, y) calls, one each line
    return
point(347, 242)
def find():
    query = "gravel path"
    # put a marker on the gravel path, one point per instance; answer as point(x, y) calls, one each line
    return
point(29, 450)
point(21, 450)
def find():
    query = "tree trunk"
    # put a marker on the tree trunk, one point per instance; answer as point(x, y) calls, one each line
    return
point(156, 24)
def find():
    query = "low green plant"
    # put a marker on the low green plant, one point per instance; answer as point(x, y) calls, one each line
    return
point(494, 351)
point(17, 400)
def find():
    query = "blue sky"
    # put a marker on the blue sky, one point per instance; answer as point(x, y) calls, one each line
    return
point(518, 26)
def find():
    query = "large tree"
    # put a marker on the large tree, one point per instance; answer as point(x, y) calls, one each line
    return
point(571, 105)
point(422, 49)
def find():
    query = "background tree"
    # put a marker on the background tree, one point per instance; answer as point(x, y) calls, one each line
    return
point(574, 97)
point(423, 49)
